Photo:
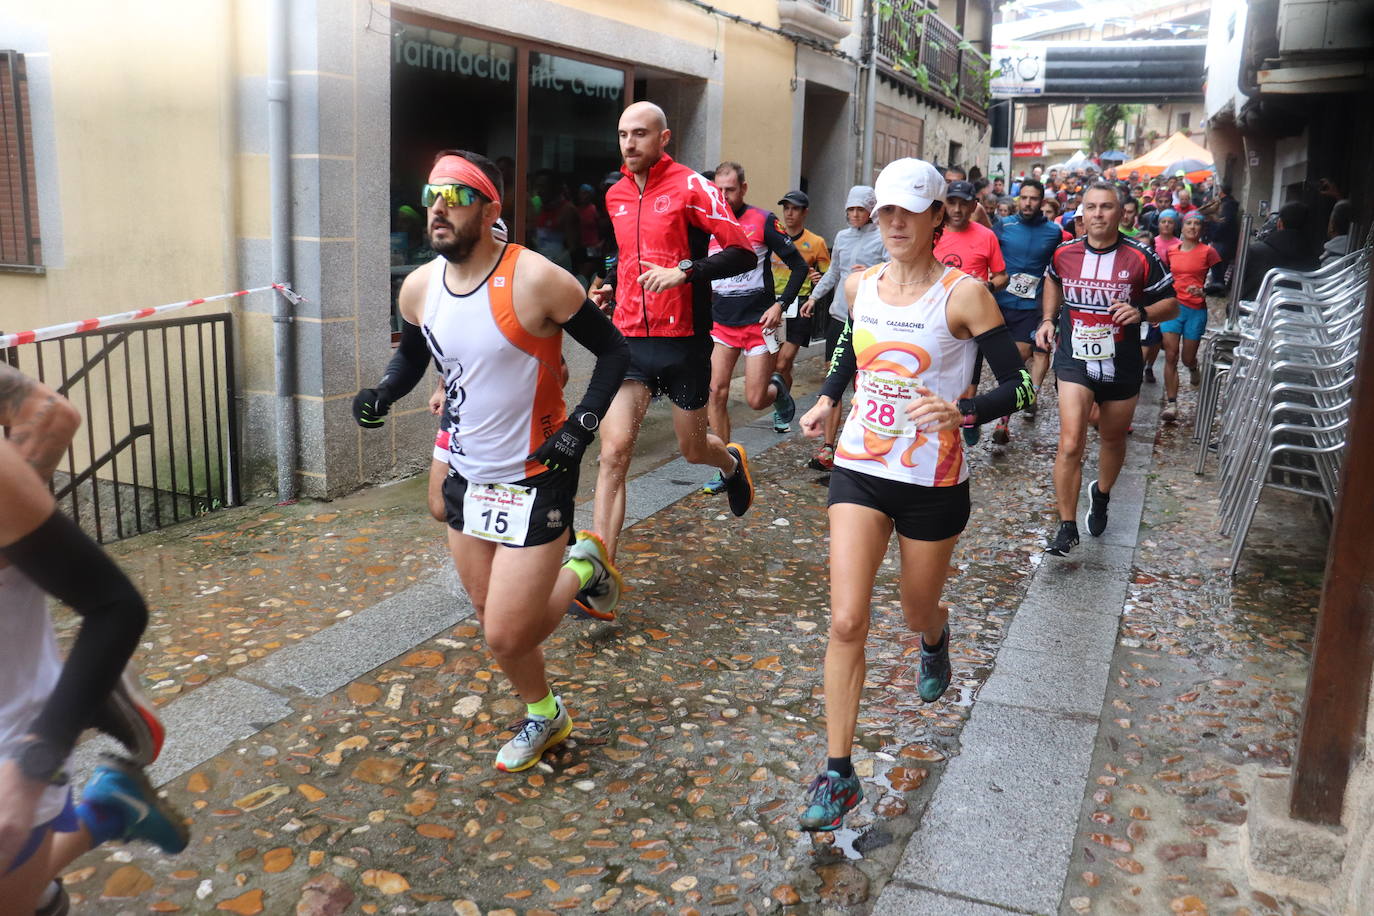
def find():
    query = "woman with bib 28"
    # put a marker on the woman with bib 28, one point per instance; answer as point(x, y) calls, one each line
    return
point(914, 330)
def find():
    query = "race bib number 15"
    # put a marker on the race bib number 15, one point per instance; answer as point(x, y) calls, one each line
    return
point(497, 512)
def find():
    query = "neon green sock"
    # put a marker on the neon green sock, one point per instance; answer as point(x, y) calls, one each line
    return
point(547, 707)
point(583, 568)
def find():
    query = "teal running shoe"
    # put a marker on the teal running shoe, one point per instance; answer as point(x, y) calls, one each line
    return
point(971, 435)
point(715, 484)
point(785, 410)
point(936, 672)
point(121, 785)
point(832, 797)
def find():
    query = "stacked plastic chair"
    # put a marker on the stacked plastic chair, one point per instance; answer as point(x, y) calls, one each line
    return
point(1281, 380)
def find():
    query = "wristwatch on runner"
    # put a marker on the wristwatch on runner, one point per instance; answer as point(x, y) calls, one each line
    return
point(588, 421)
point(40, 761)
point(1144, 315)
point(687, 265)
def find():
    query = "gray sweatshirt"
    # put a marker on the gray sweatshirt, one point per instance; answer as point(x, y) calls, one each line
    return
point(851, 246)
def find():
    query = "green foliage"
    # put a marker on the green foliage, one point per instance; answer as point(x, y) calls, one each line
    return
point(1100, 123)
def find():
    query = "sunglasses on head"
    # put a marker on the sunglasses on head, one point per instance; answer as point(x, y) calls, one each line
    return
point(455, 195)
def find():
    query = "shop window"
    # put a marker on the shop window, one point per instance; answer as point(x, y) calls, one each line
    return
point(573, 109)
point(20, 244)
point(1037, 117)
point(1183, 118)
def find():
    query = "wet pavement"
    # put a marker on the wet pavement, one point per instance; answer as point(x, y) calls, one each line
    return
point(699, 715)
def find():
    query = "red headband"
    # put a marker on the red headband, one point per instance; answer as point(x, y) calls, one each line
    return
point(458, 170)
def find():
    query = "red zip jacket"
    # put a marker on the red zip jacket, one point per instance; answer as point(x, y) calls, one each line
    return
point(657, 225)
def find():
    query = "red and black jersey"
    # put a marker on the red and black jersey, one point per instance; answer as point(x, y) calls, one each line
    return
point(665, 223)
point(1093, 279)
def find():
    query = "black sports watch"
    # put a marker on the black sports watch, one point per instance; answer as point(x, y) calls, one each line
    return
point(41, 761)
point(588, 421)
point(687, 266)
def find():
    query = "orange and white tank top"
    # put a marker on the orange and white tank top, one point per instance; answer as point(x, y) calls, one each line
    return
point(900, 347)
point(502, 385)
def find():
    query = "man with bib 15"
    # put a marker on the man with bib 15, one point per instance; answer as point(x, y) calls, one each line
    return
point(491, 316)
point(1098, 289)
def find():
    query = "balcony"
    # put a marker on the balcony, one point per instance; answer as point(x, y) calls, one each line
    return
point(826, 21)
point(921, 51)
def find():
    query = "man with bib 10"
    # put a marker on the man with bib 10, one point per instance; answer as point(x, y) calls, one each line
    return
point(1107, 285)
point(492, 316)
point(915, 327)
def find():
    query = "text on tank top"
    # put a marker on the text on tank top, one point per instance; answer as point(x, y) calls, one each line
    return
point(502, 385)
point(897, 347)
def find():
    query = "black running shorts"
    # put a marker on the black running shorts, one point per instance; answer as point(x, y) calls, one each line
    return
point(799, 331)
point(1102, 391)
point(918, 513)
point(1022, 323)
point(834, 327)
point(679, 367)
point(555, 500)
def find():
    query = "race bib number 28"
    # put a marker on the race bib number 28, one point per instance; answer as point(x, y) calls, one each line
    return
point(883, 400)
point(498, 512)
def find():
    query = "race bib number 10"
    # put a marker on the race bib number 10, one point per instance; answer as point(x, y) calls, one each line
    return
point(1093, 341)
point(883, 400)
point(497, 512)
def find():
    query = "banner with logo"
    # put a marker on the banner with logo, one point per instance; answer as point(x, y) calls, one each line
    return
point(1018, 69)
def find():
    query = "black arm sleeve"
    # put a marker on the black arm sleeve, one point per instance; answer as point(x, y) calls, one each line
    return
point(1014, 390)
point(408, 364)
point(725, 263)
point(593, 330)
point(843, 365)
point(781, 244)
point(62, 560)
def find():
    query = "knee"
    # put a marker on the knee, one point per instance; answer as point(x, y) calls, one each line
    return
point(1070, 448)
point(1171, 356)
point(506, 641)
point(757, 400)
point(694, 449)
point(616, 452)
point(720, 390)
point(849, 628)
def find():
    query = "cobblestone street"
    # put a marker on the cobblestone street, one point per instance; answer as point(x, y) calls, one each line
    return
point(699, 714)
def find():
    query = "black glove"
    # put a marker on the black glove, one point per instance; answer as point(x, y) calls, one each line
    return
point(370, 406)
point(563, 450)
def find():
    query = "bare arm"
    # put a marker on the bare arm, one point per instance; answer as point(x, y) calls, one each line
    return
point(41, 422)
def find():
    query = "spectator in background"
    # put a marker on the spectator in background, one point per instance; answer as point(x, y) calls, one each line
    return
point(1286, 247)
point(1224, 213)
point(1005, 206)
point(1337, 234)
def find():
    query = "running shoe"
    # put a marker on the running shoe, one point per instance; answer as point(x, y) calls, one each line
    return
point(832, 797)
point(533, 737)
point(739, 486)
point(780, 426)
point(1065, 539)
point(602, 591)
point(1170, 412)
point(1001, 435)
point(1097, 514)
point(1032, 411)
point(823, 460)
point(1195, 376)
point(128, 717)
point(972, 434)
point(59, 905)
point(122, 786)
point(785, 407)
point(714, 485)
point(1150, 374)
point(935, 670)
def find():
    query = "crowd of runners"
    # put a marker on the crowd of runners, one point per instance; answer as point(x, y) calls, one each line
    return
point(924, 284)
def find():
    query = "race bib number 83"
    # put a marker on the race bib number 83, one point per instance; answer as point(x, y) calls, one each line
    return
point(497, 512)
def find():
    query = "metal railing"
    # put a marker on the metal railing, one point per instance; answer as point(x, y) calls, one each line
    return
point(921, 49)
point(159, 438)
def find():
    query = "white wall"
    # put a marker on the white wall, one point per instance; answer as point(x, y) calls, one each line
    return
point(1225, 39)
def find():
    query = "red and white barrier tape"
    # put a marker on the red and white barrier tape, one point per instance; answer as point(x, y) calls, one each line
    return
point(104, 321)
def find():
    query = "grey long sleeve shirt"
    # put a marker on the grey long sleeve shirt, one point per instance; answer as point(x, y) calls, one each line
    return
point(851, 246)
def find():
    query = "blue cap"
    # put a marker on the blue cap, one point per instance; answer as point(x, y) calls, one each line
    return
point(1170, 213)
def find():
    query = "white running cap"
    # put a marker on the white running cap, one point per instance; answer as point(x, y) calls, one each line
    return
point(912, 184)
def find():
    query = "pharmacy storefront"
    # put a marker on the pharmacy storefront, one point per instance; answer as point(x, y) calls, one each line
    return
point(547, 116)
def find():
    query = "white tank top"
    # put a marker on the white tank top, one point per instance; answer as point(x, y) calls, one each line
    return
point(502, 384)
point(896, 346)
point(29, 668)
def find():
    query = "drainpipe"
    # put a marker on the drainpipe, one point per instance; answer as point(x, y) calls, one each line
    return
point(871, 95)
point(279, 165)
